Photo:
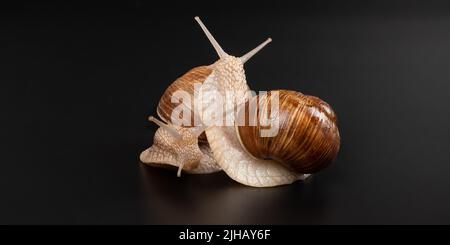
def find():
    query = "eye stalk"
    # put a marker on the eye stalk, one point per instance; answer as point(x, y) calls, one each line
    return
point(167, 127)
point(211, 38)
point(219, 49)
point(250, 54)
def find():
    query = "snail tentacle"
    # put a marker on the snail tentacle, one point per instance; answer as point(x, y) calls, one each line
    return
point(211, 38)
point(250, 54)
point(167, 127)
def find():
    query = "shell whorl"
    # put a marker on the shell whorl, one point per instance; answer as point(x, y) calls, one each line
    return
point(186, 83)
point(308, 139)
point(197, 75)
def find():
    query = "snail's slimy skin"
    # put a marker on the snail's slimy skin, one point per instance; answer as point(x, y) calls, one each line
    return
point(241, 166)
point(187, 153)
point(207, 164)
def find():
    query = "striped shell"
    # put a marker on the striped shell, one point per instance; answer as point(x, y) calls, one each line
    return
point(185, 83)
point(308, 138)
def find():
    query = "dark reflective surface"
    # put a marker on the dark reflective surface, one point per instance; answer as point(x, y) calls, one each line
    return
point(215, 199)
point(78, 83)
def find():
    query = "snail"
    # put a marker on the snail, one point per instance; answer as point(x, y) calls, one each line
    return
point(307, 140)
point(179, 147)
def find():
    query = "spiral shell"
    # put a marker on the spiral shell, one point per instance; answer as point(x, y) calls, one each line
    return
point(308, 137)
point(185, 83)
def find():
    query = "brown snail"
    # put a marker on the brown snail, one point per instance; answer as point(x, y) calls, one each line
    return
point(307, 141)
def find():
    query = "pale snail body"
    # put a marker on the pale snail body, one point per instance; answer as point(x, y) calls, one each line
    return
point(242, 158)
point(179, 147)
point(197, 160)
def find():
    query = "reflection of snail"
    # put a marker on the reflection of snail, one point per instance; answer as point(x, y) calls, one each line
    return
point(307, 141)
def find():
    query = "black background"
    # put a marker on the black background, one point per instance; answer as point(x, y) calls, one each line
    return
point(77, 83)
